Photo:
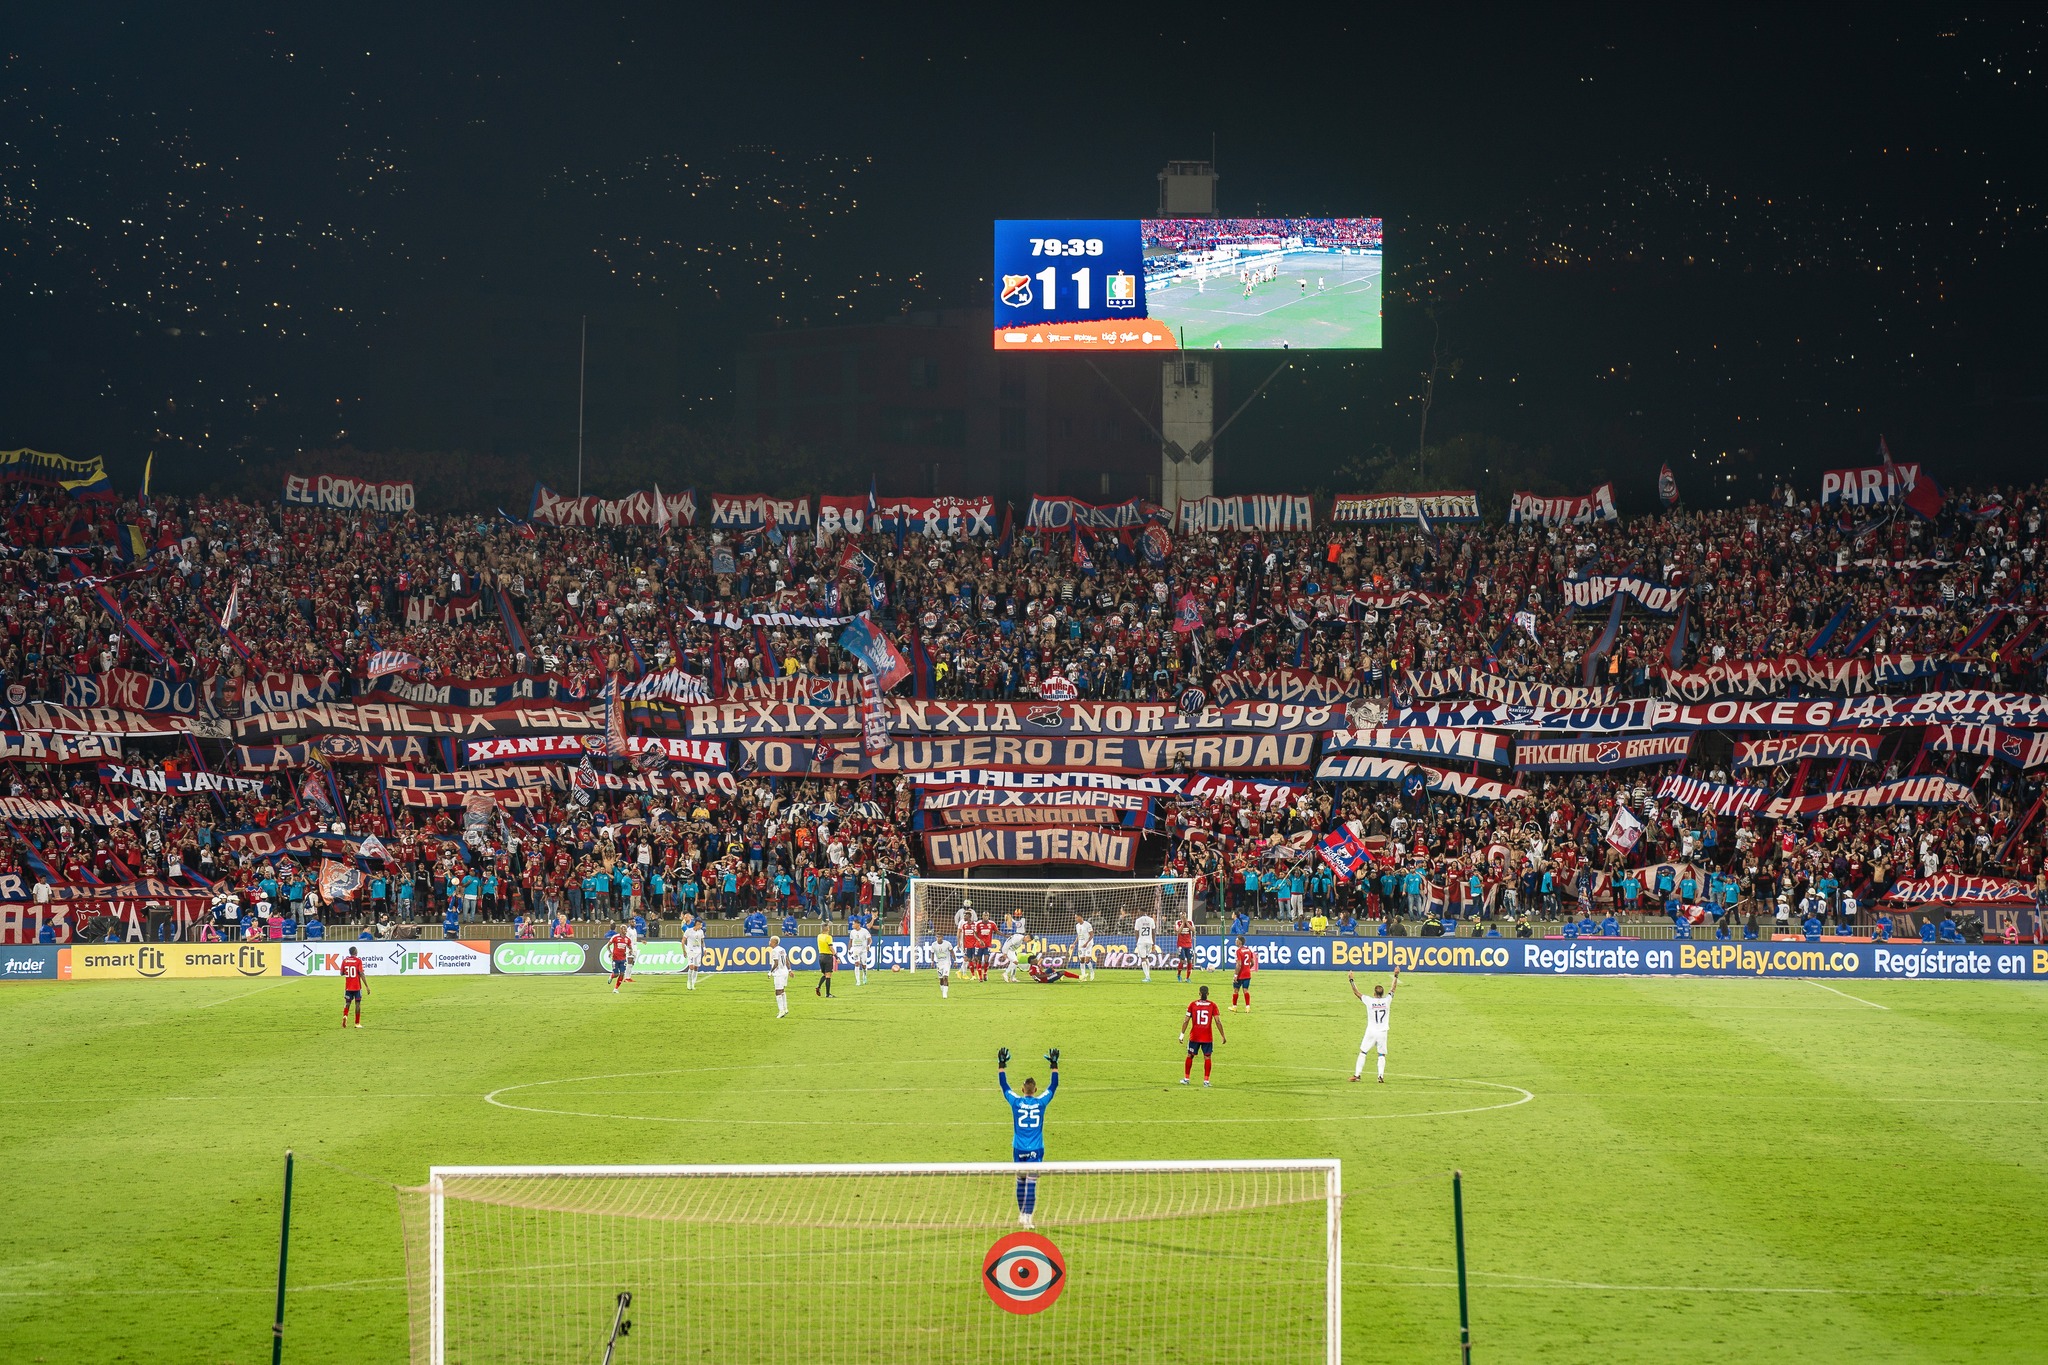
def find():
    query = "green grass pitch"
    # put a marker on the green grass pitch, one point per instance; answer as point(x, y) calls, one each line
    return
point(1702, 1171)
point(1344, 313)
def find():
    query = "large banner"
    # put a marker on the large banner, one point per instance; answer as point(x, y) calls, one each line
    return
point(1639, 957)
point(1008, 780)
point(271, 758)
point(1582, 593)
point(149, 961)
point(993, 817)
point(23, 921)
point(703, 753)
point(1257, 512)
point(354, 495)
point(1869, 486)
point(1952, 889)
point(267, 841)
point(44, 718)
point(635, 509)
point(958, 798)
point(928, 516)
point(1229, 753)
point(1927, 708)
point(44, 747)
point(1062, 514)
point(1406, 507)
point(2021, 748)
point(1770, 677)
point(399, 718)
point(1907, 791)
point(1779, 959)
point(743, 512)
point(158, 780)
point(289, 691)
point(960, 850)
point(1429, 743)
point(475, 693)
point(750, 719)
point(38, 466)
point(63, 808)
point(1592, 755)
point(1532, 509)
point(464, 957)
point(1366, 768)
point(128, 690)
point(1464, 681)
point(1288, 685)
point(1769, 753)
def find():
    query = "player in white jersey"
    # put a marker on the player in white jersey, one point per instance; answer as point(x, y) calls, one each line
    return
point(1084, 947)
point(1013, 948)
point(942, 963)
point(693, 951)
point(778, 970)
point(859, 947)
point(1146, 927)
point(963, 927)
point(1378, 1006)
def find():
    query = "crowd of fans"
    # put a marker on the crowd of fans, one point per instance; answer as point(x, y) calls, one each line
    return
point(230, 591)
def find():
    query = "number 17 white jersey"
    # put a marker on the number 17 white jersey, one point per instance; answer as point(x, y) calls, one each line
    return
point(1377, 1010)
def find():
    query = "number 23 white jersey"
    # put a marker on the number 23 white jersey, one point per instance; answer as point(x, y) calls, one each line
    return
point(1377, 1010)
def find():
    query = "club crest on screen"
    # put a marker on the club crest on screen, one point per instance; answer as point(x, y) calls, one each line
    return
point(1016, 290)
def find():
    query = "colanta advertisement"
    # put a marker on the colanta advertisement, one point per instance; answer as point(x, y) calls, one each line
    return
point(462, 958)
point(539, 957)
point(150, 961)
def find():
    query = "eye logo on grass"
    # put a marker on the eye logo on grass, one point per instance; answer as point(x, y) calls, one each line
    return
point(538, 959)
point(1024, 1273)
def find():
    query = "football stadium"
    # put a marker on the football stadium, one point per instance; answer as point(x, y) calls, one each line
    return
point(607, 755)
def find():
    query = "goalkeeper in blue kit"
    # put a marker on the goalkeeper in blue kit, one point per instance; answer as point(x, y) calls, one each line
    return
point(1027, 1115)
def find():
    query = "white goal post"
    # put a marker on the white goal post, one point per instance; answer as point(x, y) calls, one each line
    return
point(1048, 905)
point(1140, 1261)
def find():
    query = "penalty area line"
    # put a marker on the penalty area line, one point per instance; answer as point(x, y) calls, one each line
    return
point(1846, 996)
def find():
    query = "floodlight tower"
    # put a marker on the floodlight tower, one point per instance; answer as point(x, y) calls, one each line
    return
point(1187, 383)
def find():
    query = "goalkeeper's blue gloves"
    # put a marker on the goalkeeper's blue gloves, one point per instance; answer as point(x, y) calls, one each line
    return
point(1053, 1056)
point(1002, 1058)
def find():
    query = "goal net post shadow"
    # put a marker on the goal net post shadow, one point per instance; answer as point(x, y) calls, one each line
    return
point(1049, 905)
point(1143, 1261)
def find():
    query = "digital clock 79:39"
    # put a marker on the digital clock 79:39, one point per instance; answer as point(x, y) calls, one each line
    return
point(1068, 246)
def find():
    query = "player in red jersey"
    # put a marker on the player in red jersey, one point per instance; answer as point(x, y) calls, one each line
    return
point(1203, 1028)
point(985, 945)
point(351, 987)
point(1241, 984)
point(620, 946)
point(1184, 949)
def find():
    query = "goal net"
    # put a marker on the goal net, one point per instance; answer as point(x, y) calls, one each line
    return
point(1049, 906)
point(904, 1264)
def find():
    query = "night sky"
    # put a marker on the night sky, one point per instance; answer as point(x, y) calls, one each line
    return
point(1742, 242)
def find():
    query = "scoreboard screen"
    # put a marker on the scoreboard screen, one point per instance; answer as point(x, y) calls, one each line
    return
point(1160, 284)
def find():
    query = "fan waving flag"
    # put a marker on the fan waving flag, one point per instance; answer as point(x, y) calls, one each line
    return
point(1187, 614)
point(867, 642)
point(1667, 486)
point(1343, 851)
point(1624, 830)
point(339, 881)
